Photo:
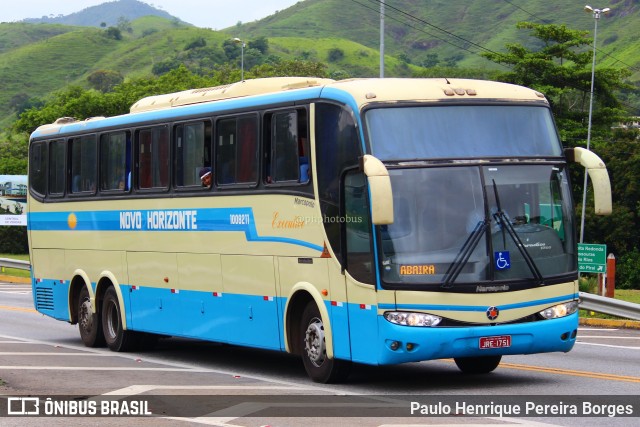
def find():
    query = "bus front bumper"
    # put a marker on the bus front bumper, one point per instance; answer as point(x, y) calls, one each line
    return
point(400, 344)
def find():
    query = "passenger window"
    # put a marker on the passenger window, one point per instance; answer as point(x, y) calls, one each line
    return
point(83, 164)
point(193, 152)
point(237, 151)
point(284, 140)
point(153, 158)
point(115, 167)
point(38, 167)
point(286, 152)
point(57, 168)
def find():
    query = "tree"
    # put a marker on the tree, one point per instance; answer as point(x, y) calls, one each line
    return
point(104, 80)
point(261, 44)
point(561, 69)
point(196, 43)
point(13, 155)
point(431, 60)
point(113, 33)
point(335, 54)
point(232, 49)
point(124, 24)
point(290, 68)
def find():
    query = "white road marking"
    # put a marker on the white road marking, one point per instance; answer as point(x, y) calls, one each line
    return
point(608, 345)
point(609, 337)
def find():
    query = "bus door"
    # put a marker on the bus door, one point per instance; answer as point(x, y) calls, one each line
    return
point(359, 267)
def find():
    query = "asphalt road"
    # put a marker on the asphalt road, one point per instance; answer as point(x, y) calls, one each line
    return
point(191, 382)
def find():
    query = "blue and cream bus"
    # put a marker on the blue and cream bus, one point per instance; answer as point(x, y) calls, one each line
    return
point(375, 221)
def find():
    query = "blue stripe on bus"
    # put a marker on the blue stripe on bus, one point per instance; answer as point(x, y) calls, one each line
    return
point(154, 220)
point(481, 308)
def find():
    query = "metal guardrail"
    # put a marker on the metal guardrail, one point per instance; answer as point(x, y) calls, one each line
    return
point(611, 306)
point(15, 263)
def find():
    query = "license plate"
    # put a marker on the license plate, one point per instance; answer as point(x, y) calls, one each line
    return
point(495, 342)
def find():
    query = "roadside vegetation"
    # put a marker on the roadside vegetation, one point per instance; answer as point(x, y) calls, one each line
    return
point(559, 66)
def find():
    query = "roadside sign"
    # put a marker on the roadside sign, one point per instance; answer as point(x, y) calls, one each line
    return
point(13, 220)
point(592, 258)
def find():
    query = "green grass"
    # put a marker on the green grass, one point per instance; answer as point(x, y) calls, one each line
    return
point(14, 272)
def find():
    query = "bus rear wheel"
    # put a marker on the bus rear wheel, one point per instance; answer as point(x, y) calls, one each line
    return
point(318, 365)
point(477, 365)
point(89, 323)
point(116, 337)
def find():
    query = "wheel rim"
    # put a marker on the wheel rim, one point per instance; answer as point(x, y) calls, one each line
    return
point(112, 320)
point(86, 316)
point(314, 343)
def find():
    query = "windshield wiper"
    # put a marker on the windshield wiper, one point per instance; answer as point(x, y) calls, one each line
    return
point(455, 268)
point(501, 218)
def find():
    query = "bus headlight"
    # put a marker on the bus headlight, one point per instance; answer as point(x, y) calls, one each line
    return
point(406, 318)
point(560, 310)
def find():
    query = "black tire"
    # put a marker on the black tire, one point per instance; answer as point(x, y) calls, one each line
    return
point(477, 365)
point(116, 337)
point(89, 322)
point(319, 366)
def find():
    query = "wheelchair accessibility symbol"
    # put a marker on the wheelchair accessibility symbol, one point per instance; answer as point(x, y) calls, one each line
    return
point(502, 260)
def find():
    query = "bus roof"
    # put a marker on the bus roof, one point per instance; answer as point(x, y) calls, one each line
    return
point(359, 91)
point(233, 90)
point(367, 91)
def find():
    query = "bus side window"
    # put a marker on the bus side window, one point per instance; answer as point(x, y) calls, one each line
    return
point(83, 158)
point(57, 166)
point(38, 167)
point(193, 152)
point(237, 150)
point(247, 155)
point(153, 158)
point(114, 161)
point(226, 143)
point(285, 147)
point(283, 155)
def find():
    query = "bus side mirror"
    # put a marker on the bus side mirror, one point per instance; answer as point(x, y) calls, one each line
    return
point(597, 171)
point(379, 190)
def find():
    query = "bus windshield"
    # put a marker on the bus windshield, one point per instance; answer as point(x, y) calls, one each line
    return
point(462, 131)
point(470, 224)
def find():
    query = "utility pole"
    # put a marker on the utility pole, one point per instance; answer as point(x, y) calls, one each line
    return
point(382, 39)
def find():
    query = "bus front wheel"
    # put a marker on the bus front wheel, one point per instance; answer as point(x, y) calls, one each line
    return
point(477, 365)
point(117, 338)
point(89, 323)
point(318, 365)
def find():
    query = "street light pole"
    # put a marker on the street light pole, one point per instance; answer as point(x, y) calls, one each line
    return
point(596, 17)
point(242, 45)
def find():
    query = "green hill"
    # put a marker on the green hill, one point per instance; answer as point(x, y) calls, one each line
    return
point(36, 59)
point(108, 13)
point(457, 31)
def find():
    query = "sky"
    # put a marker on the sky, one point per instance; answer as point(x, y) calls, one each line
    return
point(215, 14)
